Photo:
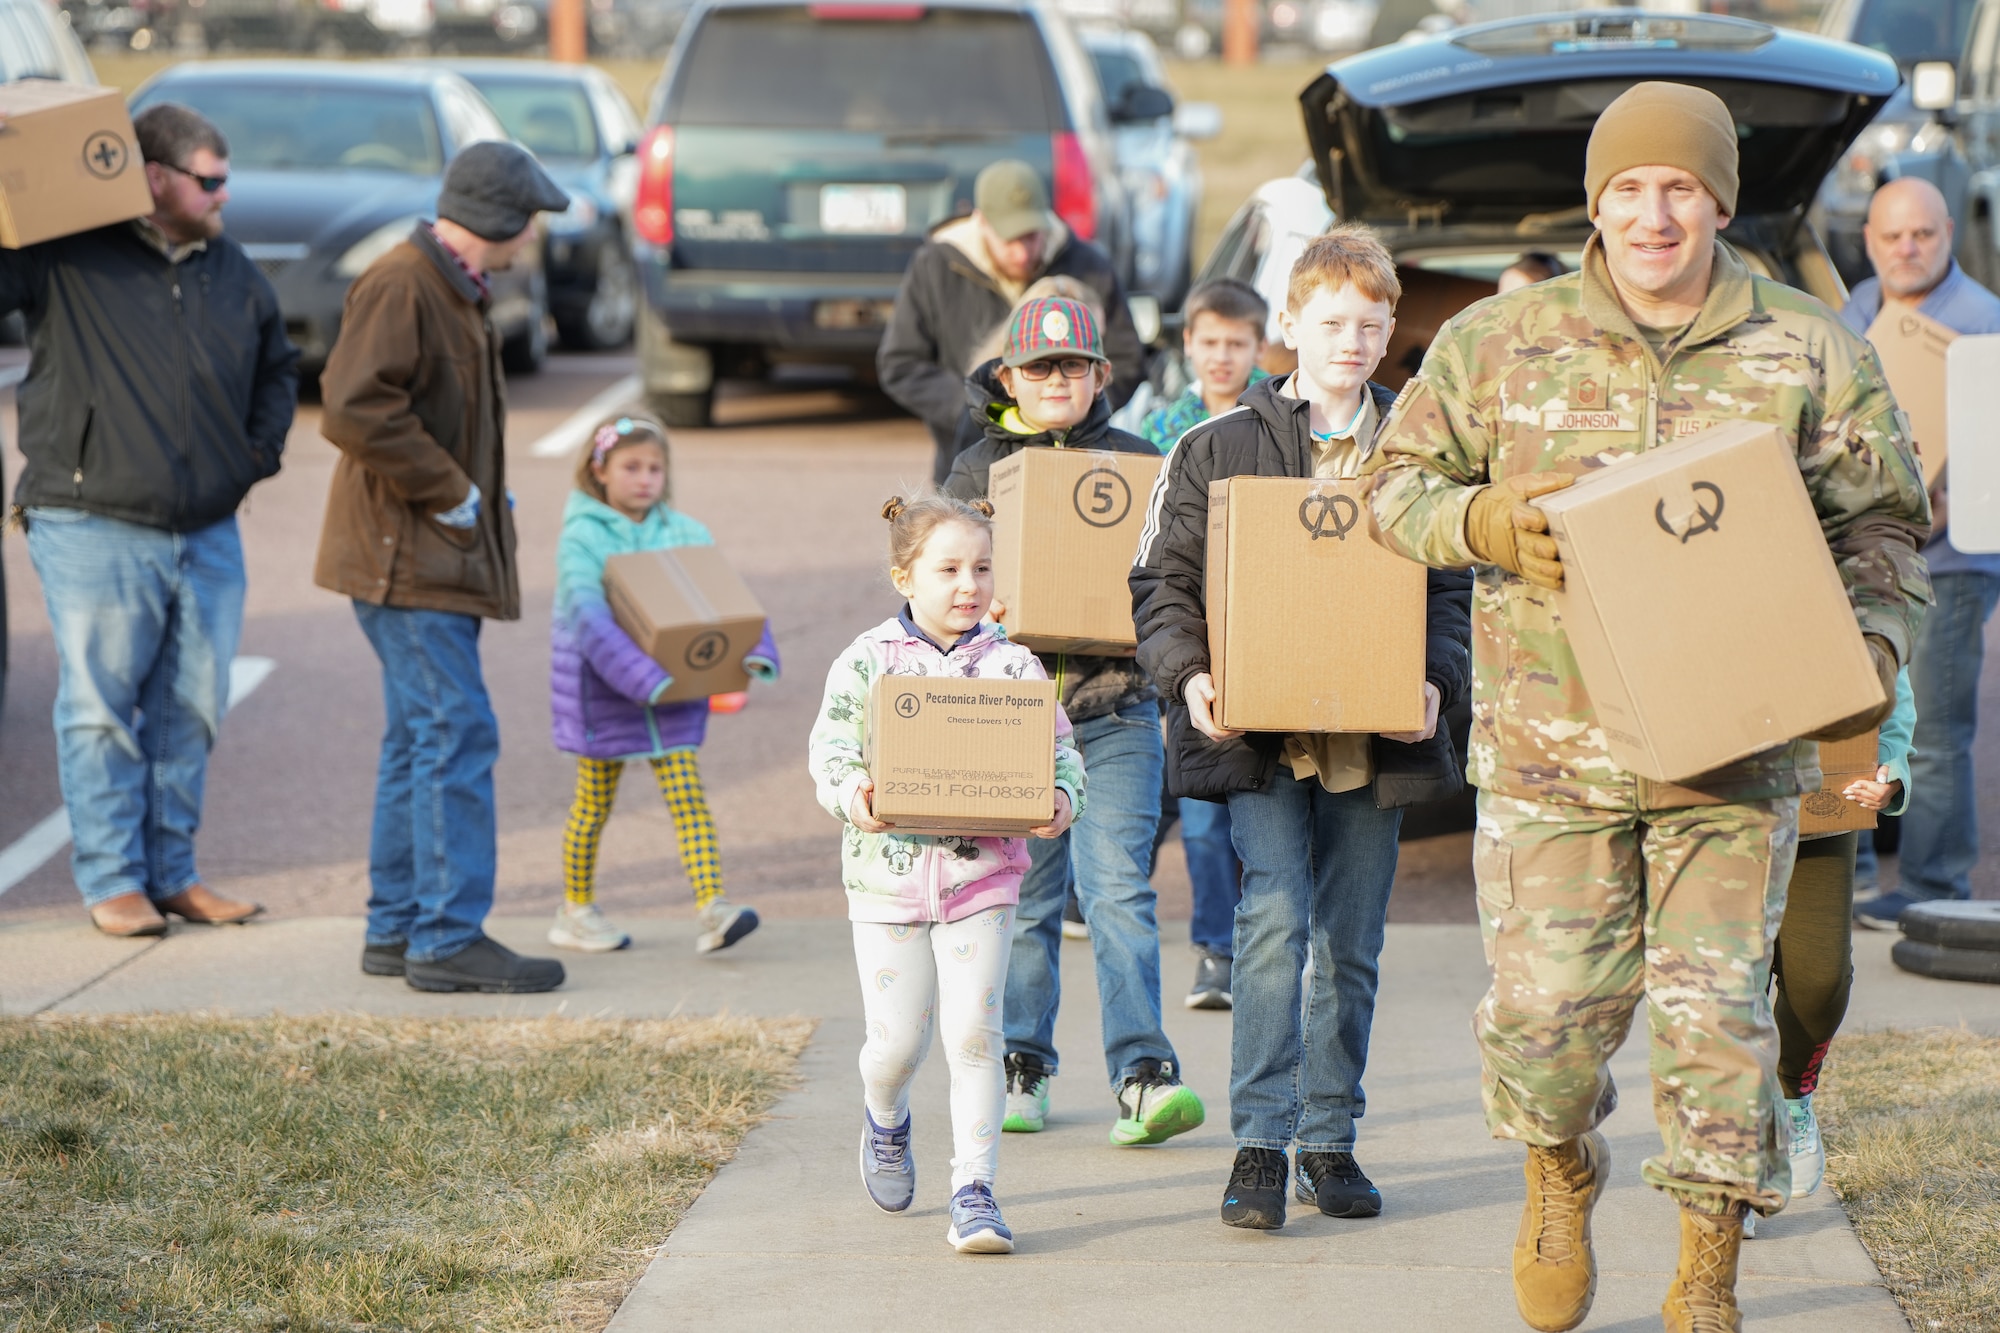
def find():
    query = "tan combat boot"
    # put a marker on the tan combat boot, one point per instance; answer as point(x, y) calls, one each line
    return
point(1703, 1296)
point(1555, 1274)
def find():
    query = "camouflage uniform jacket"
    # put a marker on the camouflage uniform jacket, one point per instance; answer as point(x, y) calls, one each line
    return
point(1556, 378)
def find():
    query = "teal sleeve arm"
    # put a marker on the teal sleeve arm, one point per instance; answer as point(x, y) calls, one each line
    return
point(1892, 748)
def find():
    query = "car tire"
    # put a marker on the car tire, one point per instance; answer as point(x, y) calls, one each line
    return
point(1945, 963)
point(1954, 923)
point(679, 410)
point(524, 353)
point(614, 303)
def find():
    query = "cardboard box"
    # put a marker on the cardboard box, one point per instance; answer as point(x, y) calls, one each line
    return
point(1312, 625)
point(1840, 762)
point(690, 612)
point(1972, 404)
point(1702, 604)
point(1065, 530)
point(68, 162)
point(962, 756)
point(1913, 348)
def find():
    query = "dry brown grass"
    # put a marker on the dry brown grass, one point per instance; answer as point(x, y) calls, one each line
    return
point(1912, 1126)
point(349, 1173)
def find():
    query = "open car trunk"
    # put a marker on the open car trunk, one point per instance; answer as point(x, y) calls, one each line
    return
point(1478, 142)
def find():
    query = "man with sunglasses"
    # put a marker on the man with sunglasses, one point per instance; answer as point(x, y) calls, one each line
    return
point(160, 391)
point(1047, 390)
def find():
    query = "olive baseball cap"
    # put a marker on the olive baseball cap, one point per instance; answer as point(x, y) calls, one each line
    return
point(1011, 197)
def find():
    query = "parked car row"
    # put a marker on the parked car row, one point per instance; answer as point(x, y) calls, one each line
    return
point(633, 29)
point(332, 164)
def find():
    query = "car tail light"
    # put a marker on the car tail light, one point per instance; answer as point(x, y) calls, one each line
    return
point(1076, 195)
point(653, 205)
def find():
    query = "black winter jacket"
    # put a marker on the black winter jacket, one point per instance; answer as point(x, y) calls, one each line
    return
point(1267, 435)
point(158, 393)
point(1091, 686)
point(946, 307)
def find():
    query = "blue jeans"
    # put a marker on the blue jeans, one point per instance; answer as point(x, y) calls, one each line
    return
point(1213, 871)
point(146, 622)
point(1941, 825)
point(1316, 873)
point(1111, 848)
point(431, 852)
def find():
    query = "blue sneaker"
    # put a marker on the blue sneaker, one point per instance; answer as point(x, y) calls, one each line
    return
point(976, 1226)
point(1882, 913)
point(887, 1168)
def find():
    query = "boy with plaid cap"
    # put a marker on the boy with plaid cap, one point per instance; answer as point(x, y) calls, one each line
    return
point(1046, 389)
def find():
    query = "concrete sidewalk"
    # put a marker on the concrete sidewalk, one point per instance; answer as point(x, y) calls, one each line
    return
point(1108, 1236)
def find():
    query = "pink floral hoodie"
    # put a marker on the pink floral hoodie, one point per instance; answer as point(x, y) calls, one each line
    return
point(902, 879)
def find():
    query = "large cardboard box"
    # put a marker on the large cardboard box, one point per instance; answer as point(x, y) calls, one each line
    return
point(962, 756)
point(1065, 530)
point(1972, 398)
point(690, 612)
point(1840, 762)
point(1312, 625)
point(68, 162)
point(1702, 604)
point(1912, 348)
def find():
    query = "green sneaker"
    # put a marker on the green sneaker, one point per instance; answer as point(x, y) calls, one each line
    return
point(1154, 1105)
point(1027, 1094)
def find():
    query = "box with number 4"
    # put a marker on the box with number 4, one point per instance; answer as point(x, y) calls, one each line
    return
point(1065, 531)
point(690, 612)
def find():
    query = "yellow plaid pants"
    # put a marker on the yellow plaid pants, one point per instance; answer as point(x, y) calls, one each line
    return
point(680, 784)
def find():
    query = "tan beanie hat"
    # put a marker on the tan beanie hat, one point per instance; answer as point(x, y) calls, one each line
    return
point(1664, 125)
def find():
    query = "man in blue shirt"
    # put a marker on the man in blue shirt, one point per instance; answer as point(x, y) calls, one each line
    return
point(1908, 235)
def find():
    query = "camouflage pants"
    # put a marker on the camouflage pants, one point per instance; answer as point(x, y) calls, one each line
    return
point(1587, 911)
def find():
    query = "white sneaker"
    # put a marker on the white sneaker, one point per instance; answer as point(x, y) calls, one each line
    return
point(1808, 1151)
point(723, 925)
point(585, 929)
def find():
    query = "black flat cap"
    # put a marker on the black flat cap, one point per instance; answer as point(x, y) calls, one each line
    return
point(494, 190)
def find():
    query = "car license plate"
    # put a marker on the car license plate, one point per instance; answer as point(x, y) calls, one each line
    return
point(862, 210)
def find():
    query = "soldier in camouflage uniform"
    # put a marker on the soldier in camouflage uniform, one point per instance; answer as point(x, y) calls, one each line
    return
point(1596, 887)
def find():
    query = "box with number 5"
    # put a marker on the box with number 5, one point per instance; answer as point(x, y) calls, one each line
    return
point(1065, 530)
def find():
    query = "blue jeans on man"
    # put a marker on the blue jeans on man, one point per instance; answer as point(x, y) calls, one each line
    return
point(431, 852)
point(1941, 825)
point(1317, 867)
point(1110, 853)
point(1213, 873)
point(146, 622)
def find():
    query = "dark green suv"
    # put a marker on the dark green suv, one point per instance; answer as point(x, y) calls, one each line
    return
point(796, 154)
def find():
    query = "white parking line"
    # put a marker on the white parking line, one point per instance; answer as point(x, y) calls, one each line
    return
point(565, 439)
point(33, 849)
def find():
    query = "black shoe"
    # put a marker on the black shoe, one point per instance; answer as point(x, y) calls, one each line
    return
point(488, 966)
point(1211, 982)
point(1333, 1180)
point(1256, 1194)
point(383, 960)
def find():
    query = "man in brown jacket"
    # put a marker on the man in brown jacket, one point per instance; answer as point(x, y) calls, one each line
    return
point(418, 532)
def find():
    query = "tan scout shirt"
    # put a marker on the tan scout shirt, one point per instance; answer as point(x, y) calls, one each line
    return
point(1341, 760)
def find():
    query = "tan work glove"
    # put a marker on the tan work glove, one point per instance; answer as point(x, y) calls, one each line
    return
point(1884, 658)
point(1503, 529)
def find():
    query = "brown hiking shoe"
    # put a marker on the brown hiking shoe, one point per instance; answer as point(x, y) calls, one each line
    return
point(128, 915)
point(1555, 1274)
point(1703, 1296)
